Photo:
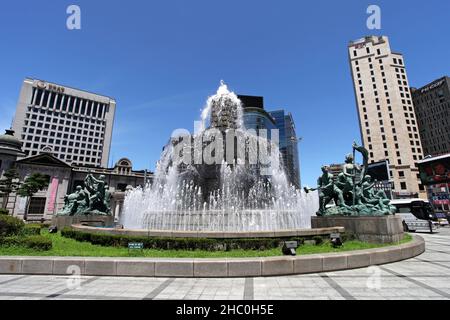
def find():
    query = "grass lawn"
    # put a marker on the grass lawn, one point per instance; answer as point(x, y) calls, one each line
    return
point(68, 247)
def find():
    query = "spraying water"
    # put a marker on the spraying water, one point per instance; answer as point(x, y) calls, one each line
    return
point(233, 195)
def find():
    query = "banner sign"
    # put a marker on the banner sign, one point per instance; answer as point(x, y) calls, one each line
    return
point(53, 192)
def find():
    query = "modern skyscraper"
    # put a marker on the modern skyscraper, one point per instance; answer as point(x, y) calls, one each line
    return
point(288, 145)
point(256, 117)
point(386, 115)
point(74, 125)
point(432, 105)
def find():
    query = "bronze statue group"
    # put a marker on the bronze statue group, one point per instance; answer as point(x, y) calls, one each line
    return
point(352, 190)
point(93, 199)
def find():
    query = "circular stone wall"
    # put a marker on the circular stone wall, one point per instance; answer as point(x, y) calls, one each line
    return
point(203, 268)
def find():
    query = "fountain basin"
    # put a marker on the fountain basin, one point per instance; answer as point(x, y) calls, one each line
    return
point(246, 220)
point(211, 234)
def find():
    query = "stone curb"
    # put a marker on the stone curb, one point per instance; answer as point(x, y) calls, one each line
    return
point(217, 268)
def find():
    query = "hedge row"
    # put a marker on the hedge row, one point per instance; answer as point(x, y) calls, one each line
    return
point(109, 240)
point(4, 211)
point(33, 242)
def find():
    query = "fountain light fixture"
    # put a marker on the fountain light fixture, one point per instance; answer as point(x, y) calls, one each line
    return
point(53, 229)
point(289, 248)
point(336, 240)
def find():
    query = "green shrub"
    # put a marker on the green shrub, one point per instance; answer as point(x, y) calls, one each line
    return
point(32, 229)
point(37, 243)
point(33, 242)
point(10, 241)
point(4, 211)
point(318, 240)
point(109, 240)
point(10, 226)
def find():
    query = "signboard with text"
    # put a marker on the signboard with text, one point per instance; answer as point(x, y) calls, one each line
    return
point(435, 171)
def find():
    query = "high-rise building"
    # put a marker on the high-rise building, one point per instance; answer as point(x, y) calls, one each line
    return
point(432, 106)
point(74, 125)
point(386, 115)
point(256, 117)
point(288, 145)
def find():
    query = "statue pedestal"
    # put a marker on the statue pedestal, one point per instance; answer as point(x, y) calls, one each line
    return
point(89, 220)
point(384, 229)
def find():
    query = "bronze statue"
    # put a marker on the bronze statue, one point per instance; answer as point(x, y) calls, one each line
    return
point(75, 202)
point(352, 190)
point(328, 191)
point(94, 199)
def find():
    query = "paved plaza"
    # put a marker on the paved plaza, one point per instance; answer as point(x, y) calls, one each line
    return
point(424, 277)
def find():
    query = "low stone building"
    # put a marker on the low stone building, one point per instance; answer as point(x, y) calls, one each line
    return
point(63, 178)
point(44, 204)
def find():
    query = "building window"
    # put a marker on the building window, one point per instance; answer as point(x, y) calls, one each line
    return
point(403, 185)
point(37, 205)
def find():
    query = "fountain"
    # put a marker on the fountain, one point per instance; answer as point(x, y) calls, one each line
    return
point(223, 178)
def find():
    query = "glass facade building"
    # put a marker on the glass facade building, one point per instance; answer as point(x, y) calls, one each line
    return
point(256, 117)
point(288, 145)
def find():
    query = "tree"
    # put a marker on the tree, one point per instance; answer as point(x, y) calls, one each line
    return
point(34, 183)
point(8, 184)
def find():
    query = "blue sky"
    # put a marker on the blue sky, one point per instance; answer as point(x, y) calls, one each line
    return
point(161, 60)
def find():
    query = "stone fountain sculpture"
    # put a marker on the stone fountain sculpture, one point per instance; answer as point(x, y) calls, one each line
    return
point(94, 199)
point(352, 190)
point(231, 193)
